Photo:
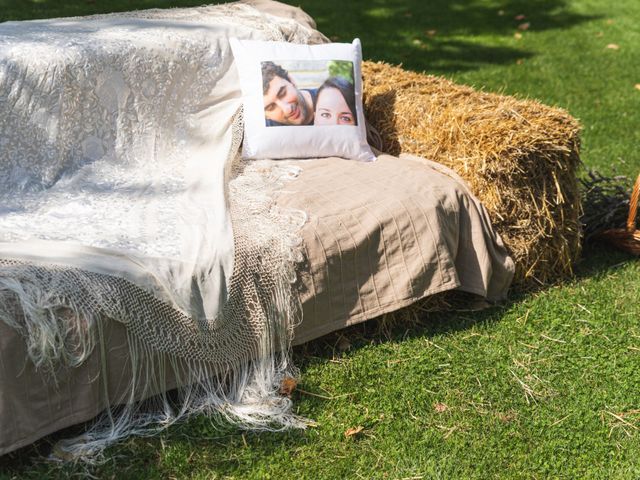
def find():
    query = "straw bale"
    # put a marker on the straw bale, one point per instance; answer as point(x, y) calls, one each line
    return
point(519, 157)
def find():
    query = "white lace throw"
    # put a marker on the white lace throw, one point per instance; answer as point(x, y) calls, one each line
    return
point(121, 194)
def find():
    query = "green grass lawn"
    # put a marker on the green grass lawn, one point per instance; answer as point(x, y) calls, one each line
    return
point(547, 386)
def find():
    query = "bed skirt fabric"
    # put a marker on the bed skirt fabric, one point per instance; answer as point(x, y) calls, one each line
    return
point(380, 237)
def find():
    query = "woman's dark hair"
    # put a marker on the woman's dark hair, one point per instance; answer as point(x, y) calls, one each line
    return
point(345, 87)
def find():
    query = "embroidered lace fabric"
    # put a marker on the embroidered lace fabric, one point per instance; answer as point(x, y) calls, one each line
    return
point(122, 195)
point(97, 111)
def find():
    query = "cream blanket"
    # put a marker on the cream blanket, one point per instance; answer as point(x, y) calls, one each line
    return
point(119, 137)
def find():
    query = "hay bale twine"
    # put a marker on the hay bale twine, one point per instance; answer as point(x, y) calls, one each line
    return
point(519, 157)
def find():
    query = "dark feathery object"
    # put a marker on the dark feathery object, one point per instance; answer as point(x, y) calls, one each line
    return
point(605, 203)
point(610, 208)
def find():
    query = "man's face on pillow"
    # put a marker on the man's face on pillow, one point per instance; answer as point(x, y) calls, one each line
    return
point(284, 103)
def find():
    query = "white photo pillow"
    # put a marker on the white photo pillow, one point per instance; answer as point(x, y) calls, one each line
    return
point(302, 101)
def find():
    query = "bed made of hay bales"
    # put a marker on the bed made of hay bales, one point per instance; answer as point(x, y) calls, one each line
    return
point(518, 157)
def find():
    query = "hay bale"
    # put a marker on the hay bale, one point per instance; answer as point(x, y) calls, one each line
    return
point(519, 157)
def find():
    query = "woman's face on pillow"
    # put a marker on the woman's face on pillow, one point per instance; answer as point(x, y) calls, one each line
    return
point(332, 109)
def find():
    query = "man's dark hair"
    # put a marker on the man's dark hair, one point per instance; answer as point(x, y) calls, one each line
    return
point(270, 70)
point(345, 87)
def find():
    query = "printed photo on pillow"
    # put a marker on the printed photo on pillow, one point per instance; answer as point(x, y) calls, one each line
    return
point(308, 92)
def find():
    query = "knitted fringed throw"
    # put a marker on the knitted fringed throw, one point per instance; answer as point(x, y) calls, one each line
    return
point(123, 197)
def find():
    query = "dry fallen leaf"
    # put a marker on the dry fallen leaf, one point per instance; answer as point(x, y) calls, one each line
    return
point(440, 407)
point(524, 26)
point(431, 33)
point(637, 86)
point(287, 386)
point(609, 22)
point(353, 431)
point(519, 61)
point(613, 46)
point(520, 17)
point(517, 35)
point(507, 417)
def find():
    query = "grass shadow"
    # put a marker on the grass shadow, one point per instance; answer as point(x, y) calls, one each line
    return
point(430, 35)
point(599, 259)
point(396, 327)
point(128, 457)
